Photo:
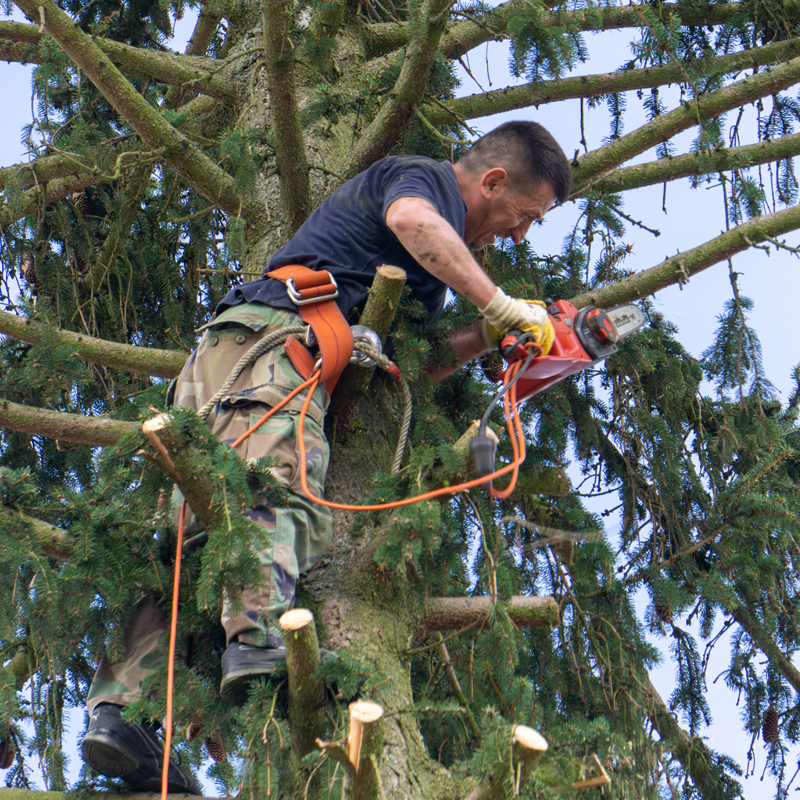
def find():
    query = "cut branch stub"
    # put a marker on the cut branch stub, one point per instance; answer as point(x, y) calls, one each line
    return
point(601, 777)
point(379, 312)
point(528, 742)
point(456, 613)
point(362, 714)
point(364, 744)
point(306, 695)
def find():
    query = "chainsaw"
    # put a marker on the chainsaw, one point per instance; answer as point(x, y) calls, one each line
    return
point(583, 338)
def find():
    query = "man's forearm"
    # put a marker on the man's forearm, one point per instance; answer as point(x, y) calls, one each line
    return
point(437, 248)
point(463, 346)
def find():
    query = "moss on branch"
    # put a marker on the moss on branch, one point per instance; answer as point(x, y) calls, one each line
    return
point(466, 35)
point(696, 164)
point(771, 81)
point(428, 26)
point(380, 38)
point(679, 268)
point(50, 540)
point(290, 148)
point(89, 431)
point(187, 159)
point(199, 74)
point(552, 91)
point(144, 360)
point(455, 613)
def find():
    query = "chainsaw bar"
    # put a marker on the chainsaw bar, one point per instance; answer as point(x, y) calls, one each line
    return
point(628, 319)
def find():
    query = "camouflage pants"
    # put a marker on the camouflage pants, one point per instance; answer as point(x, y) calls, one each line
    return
point(294, 537)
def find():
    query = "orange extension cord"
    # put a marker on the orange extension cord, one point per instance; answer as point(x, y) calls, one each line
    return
point(515, 433)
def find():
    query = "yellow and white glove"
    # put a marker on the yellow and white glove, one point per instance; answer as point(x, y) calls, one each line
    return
point(505, 314)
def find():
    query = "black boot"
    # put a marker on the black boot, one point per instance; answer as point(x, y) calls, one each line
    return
point(243, 663)
point(119, 749)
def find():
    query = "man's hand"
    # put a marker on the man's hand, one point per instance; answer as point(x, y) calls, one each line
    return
point(504, 314)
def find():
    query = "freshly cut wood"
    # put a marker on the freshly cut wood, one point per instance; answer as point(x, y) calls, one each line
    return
point(296, 619)
point(602, 779)
point(529, 738)
point(362, 712)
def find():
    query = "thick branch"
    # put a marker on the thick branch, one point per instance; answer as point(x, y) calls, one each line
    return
point(199, 170)
point(695, 164)
point(455, 613)
point(692, 752)
point(50, 540)
point(679, 268)
point(539, 93)
point(466, 35)
point(159, 363)
point(407, 91)
point(382, 304)
point(598, 162)
point(290, 148)
point(89, 431)
point(39, 196)
point(189, 72)
point(207, 23)
point(767, 646)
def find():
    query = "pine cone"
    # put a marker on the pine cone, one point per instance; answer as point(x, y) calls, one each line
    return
point(194, 730)
point(664, 613)
point(769, 726)
point(28, 268)
point(80, 264)
point(81, 200)
point(6, 753)
point(216, 749)
point(493, 366)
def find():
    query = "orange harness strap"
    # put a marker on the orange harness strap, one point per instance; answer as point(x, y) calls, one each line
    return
point(314, 293)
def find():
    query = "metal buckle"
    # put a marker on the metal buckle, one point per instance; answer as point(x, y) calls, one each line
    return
point(297, 298)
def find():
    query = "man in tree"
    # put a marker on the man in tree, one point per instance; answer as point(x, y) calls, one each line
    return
point(411, 212)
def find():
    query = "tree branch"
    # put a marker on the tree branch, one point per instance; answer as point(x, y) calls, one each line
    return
point(211, 14)
point(189, 161)
point(466, 35)
point(77, 428)
point(134, 191)
point(598, 162)
point(695, 164)
point(144, 360)
point(189, 72)
point(407, 91)
point(50, 540)
point(455, 613)
point(691, 751)
point(764, 642)
point(290, 148)
point(21, 205)
point(679, 268)
point(542, 92)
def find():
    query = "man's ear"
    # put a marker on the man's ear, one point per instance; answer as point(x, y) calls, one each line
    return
point(492, 181)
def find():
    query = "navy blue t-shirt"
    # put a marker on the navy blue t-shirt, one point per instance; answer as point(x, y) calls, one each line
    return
point(348, 236)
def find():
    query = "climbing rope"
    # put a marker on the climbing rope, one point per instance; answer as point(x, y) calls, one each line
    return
point(516, 435)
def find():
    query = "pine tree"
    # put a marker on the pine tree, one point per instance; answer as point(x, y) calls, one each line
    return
point(157, 181)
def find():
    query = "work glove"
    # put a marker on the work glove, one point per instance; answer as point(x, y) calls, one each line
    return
point(505, 314)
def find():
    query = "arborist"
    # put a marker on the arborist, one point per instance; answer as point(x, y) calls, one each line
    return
point(407, 211)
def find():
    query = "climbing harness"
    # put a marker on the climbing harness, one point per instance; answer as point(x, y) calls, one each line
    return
point(340, 345)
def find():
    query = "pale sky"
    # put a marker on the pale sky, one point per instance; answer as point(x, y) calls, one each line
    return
point(692, 218)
